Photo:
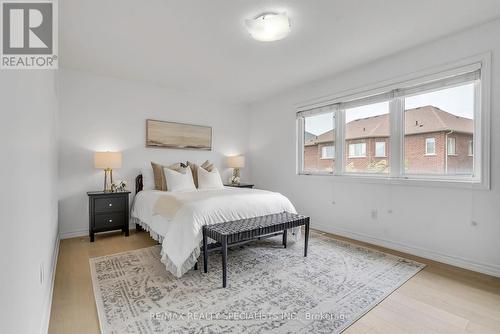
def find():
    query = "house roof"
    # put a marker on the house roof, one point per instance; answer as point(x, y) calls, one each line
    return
point(418, 120)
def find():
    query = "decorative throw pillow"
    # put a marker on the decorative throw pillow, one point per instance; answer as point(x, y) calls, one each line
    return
point(194, 169)
point(181, 180)
point(159, 174)
point(148, 179)
point(209, 180)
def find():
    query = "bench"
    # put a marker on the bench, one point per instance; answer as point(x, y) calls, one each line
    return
point(241, 231)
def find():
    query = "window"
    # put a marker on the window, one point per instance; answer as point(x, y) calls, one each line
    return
point(447, 113)
point(357, 150)
point(318, 143)
point(423, 129)
point(328, 152)
point(451, 146)
point(365, 121)
point(380, 149)
point(430, 146)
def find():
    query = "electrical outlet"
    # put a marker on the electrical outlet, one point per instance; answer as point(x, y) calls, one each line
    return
point(374, 214)
point(333, 203)
point(474, 223)
point(42, 273)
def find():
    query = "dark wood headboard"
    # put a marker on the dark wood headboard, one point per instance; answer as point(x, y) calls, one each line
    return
point(138, 183)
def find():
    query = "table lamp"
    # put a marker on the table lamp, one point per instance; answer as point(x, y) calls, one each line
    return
point(236, 162)
point(107, 161)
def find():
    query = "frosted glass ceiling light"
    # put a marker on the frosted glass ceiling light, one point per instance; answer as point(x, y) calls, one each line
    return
point(269, 27)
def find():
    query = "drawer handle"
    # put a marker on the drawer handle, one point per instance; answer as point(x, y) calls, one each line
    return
point(111, 220)
point(110, 204)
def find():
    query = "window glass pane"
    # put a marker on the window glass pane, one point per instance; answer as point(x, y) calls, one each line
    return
point(380, 149)
point(364, 127)
point(443, 121)
point(319, 146)
point(451, 145)
point(327, 152)
point(430, 146)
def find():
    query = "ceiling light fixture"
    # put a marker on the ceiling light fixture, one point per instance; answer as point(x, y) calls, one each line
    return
point(269, 27)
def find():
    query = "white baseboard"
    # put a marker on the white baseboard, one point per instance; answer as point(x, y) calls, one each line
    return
point(48, 302)
point(74, 234)
point(82, 233)
point(485, 268)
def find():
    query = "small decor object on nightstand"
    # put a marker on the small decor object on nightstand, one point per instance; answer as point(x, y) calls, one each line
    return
point(108, 211)
point(107, 161)
point(119, 186)
point(236, 162)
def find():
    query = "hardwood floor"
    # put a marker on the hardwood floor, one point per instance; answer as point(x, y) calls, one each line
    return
point(439, 299)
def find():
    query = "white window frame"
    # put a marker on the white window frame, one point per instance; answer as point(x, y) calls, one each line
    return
point(385, 149)
point(470, 148)
point(427, 141)
point(354, 145)
point(395, 90)
point(323, 157)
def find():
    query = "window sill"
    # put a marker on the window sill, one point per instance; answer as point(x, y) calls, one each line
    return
point(380, 156)
point(326, 158)
point(357, 157)
point(434, 182)
point(430, 155)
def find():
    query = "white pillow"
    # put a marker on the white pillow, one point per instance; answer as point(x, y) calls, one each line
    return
point(179, 181)
point(209, 180)
point(148, 179)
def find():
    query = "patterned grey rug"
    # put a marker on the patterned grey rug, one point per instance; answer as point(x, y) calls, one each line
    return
point(270, 289)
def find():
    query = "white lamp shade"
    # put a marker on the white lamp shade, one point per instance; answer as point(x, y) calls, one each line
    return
point(269, 27)
point(105, 160)
point(237, 161)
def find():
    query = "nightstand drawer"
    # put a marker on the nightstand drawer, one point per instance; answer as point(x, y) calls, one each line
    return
point(109, 220)
point(109, 204)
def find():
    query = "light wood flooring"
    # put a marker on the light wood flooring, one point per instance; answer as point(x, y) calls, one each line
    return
point(439, 299)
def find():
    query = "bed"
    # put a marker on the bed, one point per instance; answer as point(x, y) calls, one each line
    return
point(176, 220)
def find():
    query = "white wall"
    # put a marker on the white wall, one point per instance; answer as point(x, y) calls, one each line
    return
point(432, 222)
point(100, 113)
point(28, 200)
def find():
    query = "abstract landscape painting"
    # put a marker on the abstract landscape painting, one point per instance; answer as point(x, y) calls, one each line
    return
point(178, 135)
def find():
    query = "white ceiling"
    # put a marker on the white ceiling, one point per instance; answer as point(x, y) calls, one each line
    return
point(202, 46)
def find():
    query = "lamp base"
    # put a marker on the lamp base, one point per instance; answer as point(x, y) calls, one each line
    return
point(235, 179)
point(108, 182)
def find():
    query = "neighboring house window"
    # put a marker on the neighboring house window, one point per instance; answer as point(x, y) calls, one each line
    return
point(380, 149)
point(451, 147)
point(399, 118)
point(357, 150)
point(430, 146)
point(328, 152)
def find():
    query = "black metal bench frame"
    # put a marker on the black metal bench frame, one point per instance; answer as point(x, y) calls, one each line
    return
point(242, 231)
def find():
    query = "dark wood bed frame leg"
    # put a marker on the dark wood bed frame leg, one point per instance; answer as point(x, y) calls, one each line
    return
point(306, 239)
point(196, 266)
point(224, 262)
point(284, 238)
point(205, 251)
point(138, 227)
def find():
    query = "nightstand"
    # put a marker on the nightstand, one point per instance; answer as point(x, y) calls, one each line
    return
point(108, 212)
point(241, 185)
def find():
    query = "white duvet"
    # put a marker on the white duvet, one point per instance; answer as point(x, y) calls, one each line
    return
point(176, 219)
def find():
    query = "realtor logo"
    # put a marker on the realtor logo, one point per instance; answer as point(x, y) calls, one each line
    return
point(29, 35)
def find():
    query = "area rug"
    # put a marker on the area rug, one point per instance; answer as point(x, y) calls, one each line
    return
point(270, 289)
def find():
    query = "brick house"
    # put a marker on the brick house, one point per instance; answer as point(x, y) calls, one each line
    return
point(436, 142)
